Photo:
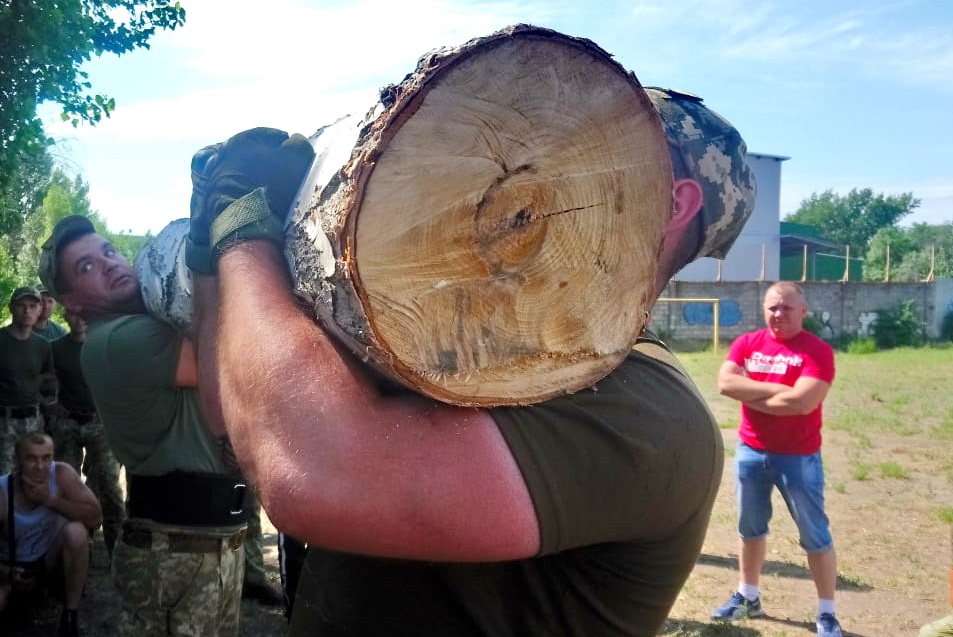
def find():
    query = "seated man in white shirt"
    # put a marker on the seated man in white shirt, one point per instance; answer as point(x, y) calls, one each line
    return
point(45, 536)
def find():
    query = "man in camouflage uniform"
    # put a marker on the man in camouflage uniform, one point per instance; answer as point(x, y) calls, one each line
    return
point(76, 427)
point(179, 558)
point(26, 362)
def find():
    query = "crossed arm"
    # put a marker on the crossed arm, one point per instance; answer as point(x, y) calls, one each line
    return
point(771, 398)
point(335, 462)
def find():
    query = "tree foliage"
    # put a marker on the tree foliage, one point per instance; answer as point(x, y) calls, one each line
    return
point(42, 48)
point(25, 188)
point(853, 219)
point(899, 327)
point(915, 253)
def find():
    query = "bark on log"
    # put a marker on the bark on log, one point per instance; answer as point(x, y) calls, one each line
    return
point(487, 234)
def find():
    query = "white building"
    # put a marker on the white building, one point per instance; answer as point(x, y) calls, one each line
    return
point(755, 255)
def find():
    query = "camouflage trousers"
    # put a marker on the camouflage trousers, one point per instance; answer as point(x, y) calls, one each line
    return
point(10, 430)
point(100, 466)
point(168, 590)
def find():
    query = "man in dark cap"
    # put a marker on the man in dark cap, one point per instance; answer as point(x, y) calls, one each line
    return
point(426, 518)
point(26, 362)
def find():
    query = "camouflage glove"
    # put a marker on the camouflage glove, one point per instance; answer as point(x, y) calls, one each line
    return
point(241, 190)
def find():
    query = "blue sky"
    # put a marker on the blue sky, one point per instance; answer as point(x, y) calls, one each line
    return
point(857, 93)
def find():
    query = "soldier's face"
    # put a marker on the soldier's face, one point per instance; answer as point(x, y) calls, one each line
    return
point(99, 280)
point(25, 312)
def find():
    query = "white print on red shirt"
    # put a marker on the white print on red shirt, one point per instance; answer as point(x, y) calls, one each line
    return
point(777, 364)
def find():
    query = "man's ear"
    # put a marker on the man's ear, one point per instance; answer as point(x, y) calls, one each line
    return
point(688, 201)
point(687, 195)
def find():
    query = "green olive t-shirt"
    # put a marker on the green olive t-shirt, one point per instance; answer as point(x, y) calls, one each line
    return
point(153, 426)
point(22, 363)
point(623, 477)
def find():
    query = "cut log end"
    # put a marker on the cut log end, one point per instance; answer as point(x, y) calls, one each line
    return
point(503, 240)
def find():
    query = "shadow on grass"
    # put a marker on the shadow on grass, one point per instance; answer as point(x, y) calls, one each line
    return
point(783, 569)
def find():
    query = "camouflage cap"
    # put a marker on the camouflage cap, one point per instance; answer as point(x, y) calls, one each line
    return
point(65, 229)
point(707, 148)
point(24, 291)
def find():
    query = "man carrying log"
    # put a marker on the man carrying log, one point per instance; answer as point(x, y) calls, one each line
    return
point(582, 515)
point(178, 561)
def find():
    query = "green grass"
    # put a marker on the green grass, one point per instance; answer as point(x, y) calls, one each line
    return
point(903, 391)
point(892, 470)
point(860, 471)
point(862, 346)
point(944, 514)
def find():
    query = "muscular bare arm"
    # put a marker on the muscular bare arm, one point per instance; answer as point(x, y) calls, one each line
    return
point(336, 463)
point(188, 373)
point(74, 502)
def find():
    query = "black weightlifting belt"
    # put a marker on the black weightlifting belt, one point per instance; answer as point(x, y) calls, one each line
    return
point(187, 498)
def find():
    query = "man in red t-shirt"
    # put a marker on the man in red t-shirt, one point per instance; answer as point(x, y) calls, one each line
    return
point(780, 375)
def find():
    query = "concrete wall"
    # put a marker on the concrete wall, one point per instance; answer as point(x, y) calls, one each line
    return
point(843, 308)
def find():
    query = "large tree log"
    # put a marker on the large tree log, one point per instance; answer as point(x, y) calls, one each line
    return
point(488, 233)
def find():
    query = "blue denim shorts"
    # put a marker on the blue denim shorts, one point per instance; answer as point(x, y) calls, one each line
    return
point(800, 479)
